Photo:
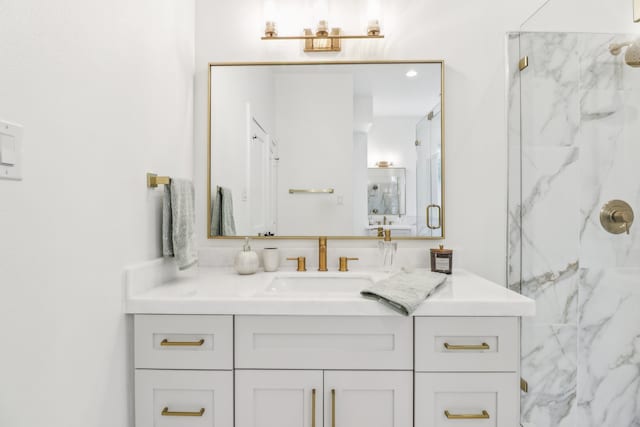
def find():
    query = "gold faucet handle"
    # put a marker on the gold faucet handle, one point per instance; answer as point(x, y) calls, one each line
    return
point(344, 263)
point(302, 263)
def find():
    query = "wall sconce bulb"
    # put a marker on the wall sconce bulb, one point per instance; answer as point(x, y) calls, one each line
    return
point(323, 29)
point(270, 29)
point(373, 28)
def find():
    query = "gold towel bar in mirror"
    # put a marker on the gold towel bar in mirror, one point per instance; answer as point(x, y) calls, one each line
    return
point(154, 180)
point(311, 190)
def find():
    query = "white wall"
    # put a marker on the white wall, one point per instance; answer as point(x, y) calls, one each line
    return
point(469, 36)
point(105, 93)
point(314, 124)
point(590, 16)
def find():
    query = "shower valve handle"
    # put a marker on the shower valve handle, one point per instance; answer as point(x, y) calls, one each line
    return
point(617, 217)
point(621, 218)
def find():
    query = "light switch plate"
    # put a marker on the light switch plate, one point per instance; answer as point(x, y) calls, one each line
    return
point(10, 151)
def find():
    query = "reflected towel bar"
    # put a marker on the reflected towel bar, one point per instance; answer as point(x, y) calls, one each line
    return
point(154, 180)
point(314, 191)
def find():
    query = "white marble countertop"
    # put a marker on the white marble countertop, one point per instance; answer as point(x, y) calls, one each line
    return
point(221, 291)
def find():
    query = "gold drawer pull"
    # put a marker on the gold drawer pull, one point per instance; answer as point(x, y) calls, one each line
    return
point(313, 407)
point(483, 346)
point(482, 416)
point(166, 343)
point(167, 413)
point(333, 407)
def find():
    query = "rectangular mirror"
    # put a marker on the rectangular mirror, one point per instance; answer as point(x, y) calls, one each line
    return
point(298, 150)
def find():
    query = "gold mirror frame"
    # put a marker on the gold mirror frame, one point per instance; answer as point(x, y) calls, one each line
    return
point(442, 139)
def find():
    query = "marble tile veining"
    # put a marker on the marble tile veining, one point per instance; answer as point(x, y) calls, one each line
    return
point(609, 348)
point(552, 386)
point(550, 89)
point(550, 230)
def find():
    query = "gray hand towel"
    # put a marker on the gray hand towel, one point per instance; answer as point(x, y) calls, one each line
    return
point(178, 223)
point(222, 221)
point(404, 292)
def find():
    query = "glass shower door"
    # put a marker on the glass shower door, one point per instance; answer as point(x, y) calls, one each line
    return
point(429, 215)
point(578, 149)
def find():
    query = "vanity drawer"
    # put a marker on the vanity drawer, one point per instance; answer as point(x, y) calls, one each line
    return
point(323, 342)
point(183, 342)
point(467, 344)
point(183, 398)
point(473, 399)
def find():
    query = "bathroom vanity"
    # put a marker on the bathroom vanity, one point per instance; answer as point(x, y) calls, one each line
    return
point(218, 349)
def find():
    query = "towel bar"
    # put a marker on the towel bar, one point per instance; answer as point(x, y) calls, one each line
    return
point(154, 180)
point(300, 190)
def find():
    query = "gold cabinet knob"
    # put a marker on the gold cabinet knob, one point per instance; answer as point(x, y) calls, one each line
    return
point(344, 263)
point(302, 263)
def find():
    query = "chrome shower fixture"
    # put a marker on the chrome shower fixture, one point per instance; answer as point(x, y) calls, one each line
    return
point(631, 56)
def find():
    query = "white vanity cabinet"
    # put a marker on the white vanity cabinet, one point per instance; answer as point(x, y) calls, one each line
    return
point(283, 398)
point(326, 371)
point(368, 398)
point(467, 370)
point(183, 371)
point(296, 398)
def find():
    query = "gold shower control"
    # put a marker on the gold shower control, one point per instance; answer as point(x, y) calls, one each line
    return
point(616, 217)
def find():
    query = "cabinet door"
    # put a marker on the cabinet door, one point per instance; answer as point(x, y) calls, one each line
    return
point(184, 398)
point(278, 398)
point(368, 398)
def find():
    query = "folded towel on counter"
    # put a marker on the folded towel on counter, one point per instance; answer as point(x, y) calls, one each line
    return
point(222, 221)
point(178, 223)
point(404, 292)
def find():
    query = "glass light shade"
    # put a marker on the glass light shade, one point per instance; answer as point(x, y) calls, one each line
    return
point(270, 11)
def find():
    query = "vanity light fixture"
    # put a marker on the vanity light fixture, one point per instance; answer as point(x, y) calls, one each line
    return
point(384, 164)
point(324, 38)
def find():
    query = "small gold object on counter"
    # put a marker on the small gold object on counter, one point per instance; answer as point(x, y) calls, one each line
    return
point(344, 263)
point(442, 260)
point(302, 263)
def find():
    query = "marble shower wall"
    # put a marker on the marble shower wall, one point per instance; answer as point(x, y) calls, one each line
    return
point(574, 143)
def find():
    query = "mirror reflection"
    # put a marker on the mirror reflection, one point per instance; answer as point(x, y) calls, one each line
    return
point(326, 149)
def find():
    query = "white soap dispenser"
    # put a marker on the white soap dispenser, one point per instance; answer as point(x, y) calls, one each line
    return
point(246, 261)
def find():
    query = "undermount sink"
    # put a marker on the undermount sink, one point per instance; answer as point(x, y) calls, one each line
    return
point(316, 286)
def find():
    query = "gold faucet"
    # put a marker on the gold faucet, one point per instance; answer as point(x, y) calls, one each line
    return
point(322, 253)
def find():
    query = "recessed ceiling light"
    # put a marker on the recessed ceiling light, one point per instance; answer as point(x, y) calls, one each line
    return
point(412, 73)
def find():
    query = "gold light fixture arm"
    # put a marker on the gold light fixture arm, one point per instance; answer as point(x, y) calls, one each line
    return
point(322, 41)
